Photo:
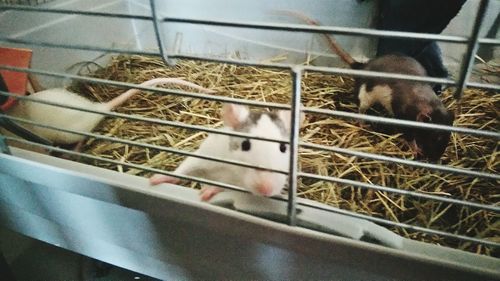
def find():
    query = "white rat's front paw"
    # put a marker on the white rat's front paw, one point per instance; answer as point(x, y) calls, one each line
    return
point(207, 192)
point(159, 178)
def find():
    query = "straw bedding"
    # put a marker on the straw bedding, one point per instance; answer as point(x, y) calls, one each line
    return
point(480, 110)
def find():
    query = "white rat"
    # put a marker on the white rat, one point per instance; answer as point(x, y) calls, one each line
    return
point(270, 155)
point(71, 119)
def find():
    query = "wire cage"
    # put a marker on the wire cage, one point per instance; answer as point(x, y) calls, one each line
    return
point(25, 2)
point(149, 32)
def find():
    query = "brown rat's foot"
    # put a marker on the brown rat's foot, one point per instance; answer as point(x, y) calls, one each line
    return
point(207, 192)
point(159, 178)
point(417, 151)
point(363, 125)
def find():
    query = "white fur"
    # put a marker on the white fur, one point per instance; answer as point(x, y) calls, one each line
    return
point(286, 116)
point(71, 119)
point(262, 153)
point(234, 114)
point(379, 94)
point(57, 116)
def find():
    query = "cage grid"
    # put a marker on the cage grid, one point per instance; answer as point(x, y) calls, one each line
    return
point(25, 2)
point(296, 72)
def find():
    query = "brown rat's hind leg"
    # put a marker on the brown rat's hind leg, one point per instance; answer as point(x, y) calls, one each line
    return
point(207, 192)
point(365, 99)
point(364, 105)
point(417, 151)
point(370, 94)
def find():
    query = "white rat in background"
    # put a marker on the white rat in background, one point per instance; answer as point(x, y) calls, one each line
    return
point(71, 119)
point(270, 155)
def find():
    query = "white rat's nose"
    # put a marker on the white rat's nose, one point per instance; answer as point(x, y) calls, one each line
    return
point(264, 187)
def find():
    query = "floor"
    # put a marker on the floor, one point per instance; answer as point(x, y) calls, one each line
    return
point(30, 259)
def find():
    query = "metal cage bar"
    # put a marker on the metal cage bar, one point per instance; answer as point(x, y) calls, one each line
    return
point(406, 123)
point(294, 146)
point(131, 165)
point(72, 12)
point(412, 163)
point(77, 47)
point(335, 70)
point(143, 145)
point(489, 41)
point(472, 45)
point(480, 206)
point(343, 114)
point(151, 89)
point(159, 32)
point(402, 225)
point(323, 29)
point(326, 178)
point(264, 25)
point(245, 135)
point(235, 188)
point(296, 71)
point(150, 120)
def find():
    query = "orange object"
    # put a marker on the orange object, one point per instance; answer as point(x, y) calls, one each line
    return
point(16, 81)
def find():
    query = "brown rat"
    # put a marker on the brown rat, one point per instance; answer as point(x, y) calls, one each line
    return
point(408, 100)
point(413, 101)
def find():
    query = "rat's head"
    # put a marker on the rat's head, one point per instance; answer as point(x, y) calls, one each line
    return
point(433, 143)
point(271, 155)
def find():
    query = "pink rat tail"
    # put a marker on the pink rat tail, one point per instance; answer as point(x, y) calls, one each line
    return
point(332, 43)
point(119, 100)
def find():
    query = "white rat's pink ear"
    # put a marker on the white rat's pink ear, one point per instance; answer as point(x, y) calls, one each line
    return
point(234, 114)
point(286, 117)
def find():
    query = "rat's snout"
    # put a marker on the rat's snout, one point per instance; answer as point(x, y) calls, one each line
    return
point(264, 188)
point(267, 184)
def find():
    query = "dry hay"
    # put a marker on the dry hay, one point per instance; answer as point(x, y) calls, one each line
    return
point(479, 110)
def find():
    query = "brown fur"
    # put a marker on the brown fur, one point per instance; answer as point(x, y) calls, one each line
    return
point(413, 101)
point(254, 117)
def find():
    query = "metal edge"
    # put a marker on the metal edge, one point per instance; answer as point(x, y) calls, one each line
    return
point(441, 257)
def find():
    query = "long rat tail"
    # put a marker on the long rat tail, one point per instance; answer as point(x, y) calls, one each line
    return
point(119, 100)
point(334, 46)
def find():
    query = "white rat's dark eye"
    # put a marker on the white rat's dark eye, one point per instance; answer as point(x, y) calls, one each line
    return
point(283, 147)
point(245, 145)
